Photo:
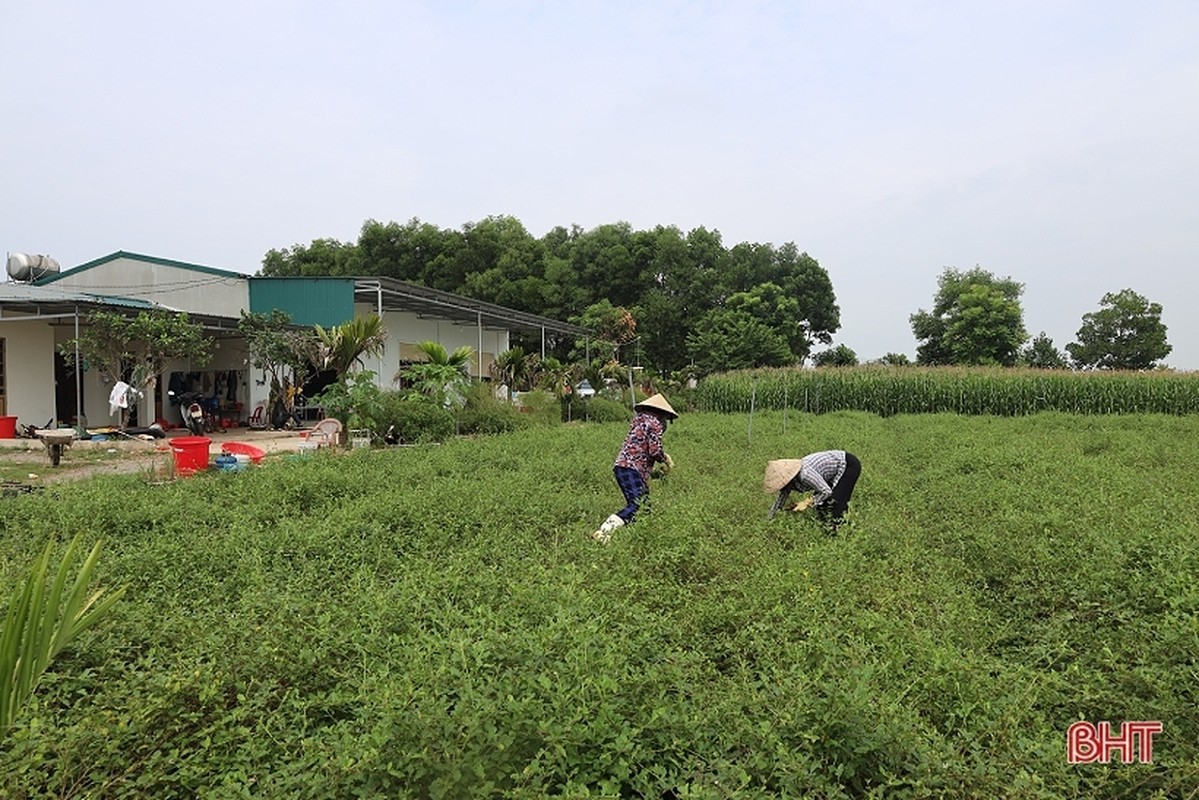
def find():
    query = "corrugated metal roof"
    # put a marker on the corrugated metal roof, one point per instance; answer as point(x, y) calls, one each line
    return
point(31, 301)
point(403, 296)
point(31, 298)
point(321, 301)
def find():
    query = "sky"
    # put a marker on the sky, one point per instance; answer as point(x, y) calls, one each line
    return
point(1052, 142)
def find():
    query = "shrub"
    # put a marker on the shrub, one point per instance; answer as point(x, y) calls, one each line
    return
point(595, 409)
point(541, 407)
point(415, 418)
point(485, 413)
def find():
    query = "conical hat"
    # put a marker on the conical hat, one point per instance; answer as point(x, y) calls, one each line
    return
point(780, 472)
point(657, 403)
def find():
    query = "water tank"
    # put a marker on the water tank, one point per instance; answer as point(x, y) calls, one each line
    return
point(24, 267)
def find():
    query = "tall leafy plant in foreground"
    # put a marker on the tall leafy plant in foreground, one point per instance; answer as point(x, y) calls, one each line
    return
point(43, 618)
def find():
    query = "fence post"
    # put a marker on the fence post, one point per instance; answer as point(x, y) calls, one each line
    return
point(753, 397)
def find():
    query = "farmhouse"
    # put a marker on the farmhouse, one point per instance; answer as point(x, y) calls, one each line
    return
point(41, 310)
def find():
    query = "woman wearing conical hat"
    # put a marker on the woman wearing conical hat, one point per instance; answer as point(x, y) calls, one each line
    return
point(641, 450)
point(830, 475)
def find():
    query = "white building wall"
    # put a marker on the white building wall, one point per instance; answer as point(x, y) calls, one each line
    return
point(191, 290)
point(405, 329)
point(29, 371)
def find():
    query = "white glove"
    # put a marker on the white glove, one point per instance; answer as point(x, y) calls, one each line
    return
point(668, 463)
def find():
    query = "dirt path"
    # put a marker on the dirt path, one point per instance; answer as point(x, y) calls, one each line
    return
point(27, 462)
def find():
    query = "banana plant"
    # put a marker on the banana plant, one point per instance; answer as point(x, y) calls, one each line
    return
point(43, 617)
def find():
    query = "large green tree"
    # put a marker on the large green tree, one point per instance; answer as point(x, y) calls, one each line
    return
point(976, 319)
point(136, 348)
point(726, 339)
point(321, 257)
point(669, 281)
point(1125, 333)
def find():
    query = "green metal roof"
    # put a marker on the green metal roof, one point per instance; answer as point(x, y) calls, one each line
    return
point(308, 301)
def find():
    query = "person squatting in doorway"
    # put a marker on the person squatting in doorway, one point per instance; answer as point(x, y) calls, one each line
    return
point(830, 475)
point(642, 449)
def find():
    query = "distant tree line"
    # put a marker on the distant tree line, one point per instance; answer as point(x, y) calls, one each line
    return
point(676, 302)
point(977, 319)
point(685, 304)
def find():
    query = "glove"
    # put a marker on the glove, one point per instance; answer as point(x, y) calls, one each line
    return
point(802, 505)
point(668, 464)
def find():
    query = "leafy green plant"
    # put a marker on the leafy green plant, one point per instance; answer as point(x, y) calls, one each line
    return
point(413, 418)
point(597, 409)
point(136, 348)
point(888, 390)
point(484, 413)
point(443, 376)
point(43, 617)
point(436, 622)
point(356, 401)
point(343, 346)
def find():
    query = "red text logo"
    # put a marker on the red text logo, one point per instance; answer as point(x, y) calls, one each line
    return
point(1087, 743)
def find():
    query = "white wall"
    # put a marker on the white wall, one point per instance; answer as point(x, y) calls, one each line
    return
point(29, 371)
point(405, 329)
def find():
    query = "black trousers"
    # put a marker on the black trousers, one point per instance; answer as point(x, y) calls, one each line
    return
point(836, 506)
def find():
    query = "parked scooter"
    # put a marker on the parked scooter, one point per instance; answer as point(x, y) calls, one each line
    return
point(192, 413)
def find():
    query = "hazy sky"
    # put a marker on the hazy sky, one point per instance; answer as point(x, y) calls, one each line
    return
point(1053, 142)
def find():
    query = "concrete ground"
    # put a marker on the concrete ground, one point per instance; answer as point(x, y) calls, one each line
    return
point(28, 461)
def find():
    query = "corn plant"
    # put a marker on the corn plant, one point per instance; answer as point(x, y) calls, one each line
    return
point(912, 390)
point(43, 618)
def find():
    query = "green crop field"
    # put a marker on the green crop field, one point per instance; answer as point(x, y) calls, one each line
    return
point(433, 622)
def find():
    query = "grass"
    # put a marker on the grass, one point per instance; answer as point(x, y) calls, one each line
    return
point(433, 622)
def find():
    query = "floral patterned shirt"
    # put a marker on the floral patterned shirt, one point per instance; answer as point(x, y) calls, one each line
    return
point(643, 446)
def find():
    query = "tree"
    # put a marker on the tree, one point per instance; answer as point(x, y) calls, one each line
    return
point(321, 257)
point(443, 376)
point(515, 369)
point(135, 349)
point(976, 319)
point(343, 346)
point(1125, 333)
point(1041, 354)
point(895, 360)
point(613, 326)
point(725, 340)
point(839, 356)
point(285, 353)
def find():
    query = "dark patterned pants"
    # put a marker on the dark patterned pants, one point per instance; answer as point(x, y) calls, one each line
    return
point(838, 503)
point(635, 490)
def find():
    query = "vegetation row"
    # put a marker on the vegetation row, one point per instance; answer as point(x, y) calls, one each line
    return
point(915, 390)
point(434, 622)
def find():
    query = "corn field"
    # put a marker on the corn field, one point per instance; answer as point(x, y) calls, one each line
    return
point(915, 390)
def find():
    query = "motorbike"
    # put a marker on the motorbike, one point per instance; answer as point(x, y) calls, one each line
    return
point(195, 417)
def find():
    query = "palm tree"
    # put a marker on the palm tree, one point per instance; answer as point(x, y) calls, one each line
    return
point(516, 369)
point(343, 346)
point(443, 376)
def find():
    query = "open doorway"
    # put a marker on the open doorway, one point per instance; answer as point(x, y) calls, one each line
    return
point(66, 398)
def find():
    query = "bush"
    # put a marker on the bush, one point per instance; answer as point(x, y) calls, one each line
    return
point(541, 407)
point(596, 409)
point(485, 413)
point(415, 419)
